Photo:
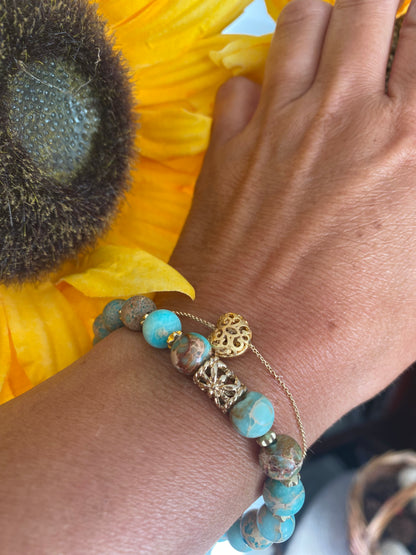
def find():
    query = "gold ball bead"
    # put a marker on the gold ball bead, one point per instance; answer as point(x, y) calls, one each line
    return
point(267, 439)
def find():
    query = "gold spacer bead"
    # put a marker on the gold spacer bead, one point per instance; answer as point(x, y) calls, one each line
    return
point(267, 439)
point(172, 338)
point(144, 318)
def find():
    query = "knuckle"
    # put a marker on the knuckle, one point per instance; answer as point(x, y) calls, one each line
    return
point(231, 87)
point(354, 4)
point(297, 12)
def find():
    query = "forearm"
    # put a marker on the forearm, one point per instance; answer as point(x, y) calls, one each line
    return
point(119, 452)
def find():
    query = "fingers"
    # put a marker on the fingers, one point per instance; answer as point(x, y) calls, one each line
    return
point(402, 82)
point(357, 44)
point(296, 49)
point(235, 104)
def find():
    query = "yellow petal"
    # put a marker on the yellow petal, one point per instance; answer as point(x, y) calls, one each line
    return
point(18, 380)
point(86, 308)
point(155, 208)
point(244, 56)
point(166, 28)
point(403, 8)
point(191, 73)
point(46, 333)
point(5, 351)
point(6, 393)
point(172, 133)
point(274, 7)
point(116, 11)
point(122, 272)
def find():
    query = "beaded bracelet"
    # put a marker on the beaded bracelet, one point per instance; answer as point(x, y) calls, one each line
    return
point(251, 413)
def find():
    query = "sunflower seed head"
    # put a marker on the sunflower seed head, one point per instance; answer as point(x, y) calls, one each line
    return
point(66, 134)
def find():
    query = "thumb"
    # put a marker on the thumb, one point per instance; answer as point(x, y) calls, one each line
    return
point(235, 104)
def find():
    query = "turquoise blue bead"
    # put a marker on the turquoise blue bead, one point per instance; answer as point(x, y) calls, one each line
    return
point(236, 539)
point(223, 538)
point(158, 326)
point(251, 533)
point(111, 314)
point(189, 352)
point(253, 416)
point(99, 329)
point(283, 500)
point(274, 528)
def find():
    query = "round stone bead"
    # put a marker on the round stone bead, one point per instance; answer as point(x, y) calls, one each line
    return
point(283, 500)
point(274, 528)
point(111, 314)
point(253, 415)
point(250, 532)
point(158, 326)
point(282, 459)
point(99, 329)
point(189, 352)
point(223, 538)
point(236, 539)
point(134, 309)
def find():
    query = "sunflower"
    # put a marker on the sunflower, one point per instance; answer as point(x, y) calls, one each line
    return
point(105, 113)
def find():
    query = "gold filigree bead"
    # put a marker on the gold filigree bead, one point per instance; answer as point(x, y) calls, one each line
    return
point(231, 337)
point(172, 338)
point(220, 383)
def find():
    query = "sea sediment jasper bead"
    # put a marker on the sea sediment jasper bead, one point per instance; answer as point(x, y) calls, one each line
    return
point(274, 528)
point(282, 459)
point(111, 314)
point(250, 532)
point(99, 329)
point(189, 351)
point(158, 326)
point(283, 500)
point(253, 415)
point(133, 311)
point(236, 539)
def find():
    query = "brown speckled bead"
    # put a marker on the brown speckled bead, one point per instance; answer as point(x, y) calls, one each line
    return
point(134, 309)
point(282, 459)
point(189, 352)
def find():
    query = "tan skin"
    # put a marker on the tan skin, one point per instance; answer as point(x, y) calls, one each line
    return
point(303, 221)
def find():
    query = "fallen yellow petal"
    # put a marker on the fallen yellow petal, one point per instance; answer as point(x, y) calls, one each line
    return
point(112, 271)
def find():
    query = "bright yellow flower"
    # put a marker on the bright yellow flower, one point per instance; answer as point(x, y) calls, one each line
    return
point(276, 6)
point(177, 58)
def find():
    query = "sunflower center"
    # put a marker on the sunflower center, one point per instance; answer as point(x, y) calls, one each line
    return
point(53, 114)
point(66, 134)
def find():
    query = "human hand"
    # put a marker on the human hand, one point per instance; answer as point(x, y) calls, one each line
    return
point(304, 214)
